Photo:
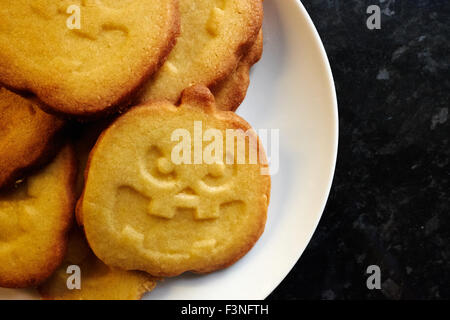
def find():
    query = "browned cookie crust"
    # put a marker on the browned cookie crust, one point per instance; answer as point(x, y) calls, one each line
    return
point(34, 221)
point(27, 136)
point(231, 92)
point(86, 72)
point(214, 37)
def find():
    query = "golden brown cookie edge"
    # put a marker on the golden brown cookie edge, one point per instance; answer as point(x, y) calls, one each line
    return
point(56, 255)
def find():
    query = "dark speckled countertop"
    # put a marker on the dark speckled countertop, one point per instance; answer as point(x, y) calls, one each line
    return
point(389, 205)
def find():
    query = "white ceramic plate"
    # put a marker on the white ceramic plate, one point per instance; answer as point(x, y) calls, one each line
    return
point(291, 90)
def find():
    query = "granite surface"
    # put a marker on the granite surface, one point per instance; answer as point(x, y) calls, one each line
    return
point(389, 204)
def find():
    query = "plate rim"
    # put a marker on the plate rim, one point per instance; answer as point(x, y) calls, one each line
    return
point(335, 142)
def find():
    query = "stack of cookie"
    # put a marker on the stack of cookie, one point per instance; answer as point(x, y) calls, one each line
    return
point(118, 113)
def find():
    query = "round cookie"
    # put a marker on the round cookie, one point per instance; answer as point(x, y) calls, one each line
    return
point(84, 58)
point(143, 208)
point(230, 93)
point(215, 35)
point(98, 281)
point(27, 136)
point(34, 221)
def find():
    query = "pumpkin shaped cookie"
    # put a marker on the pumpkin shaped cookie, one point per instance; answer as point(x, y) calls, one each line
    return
point(166, 192)
point(34, 220)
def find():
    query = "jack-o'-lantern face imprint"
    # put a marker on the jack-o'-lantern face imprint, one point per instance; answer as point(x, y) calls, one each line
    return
point(177, 187)
point(163, 196)
point(172, 205)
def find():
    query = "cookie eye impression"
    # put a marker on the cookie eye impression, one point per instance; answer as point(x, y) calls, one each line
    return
point(219, 174)
point(165, 166)
point(159, 166)
point(217, 170)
